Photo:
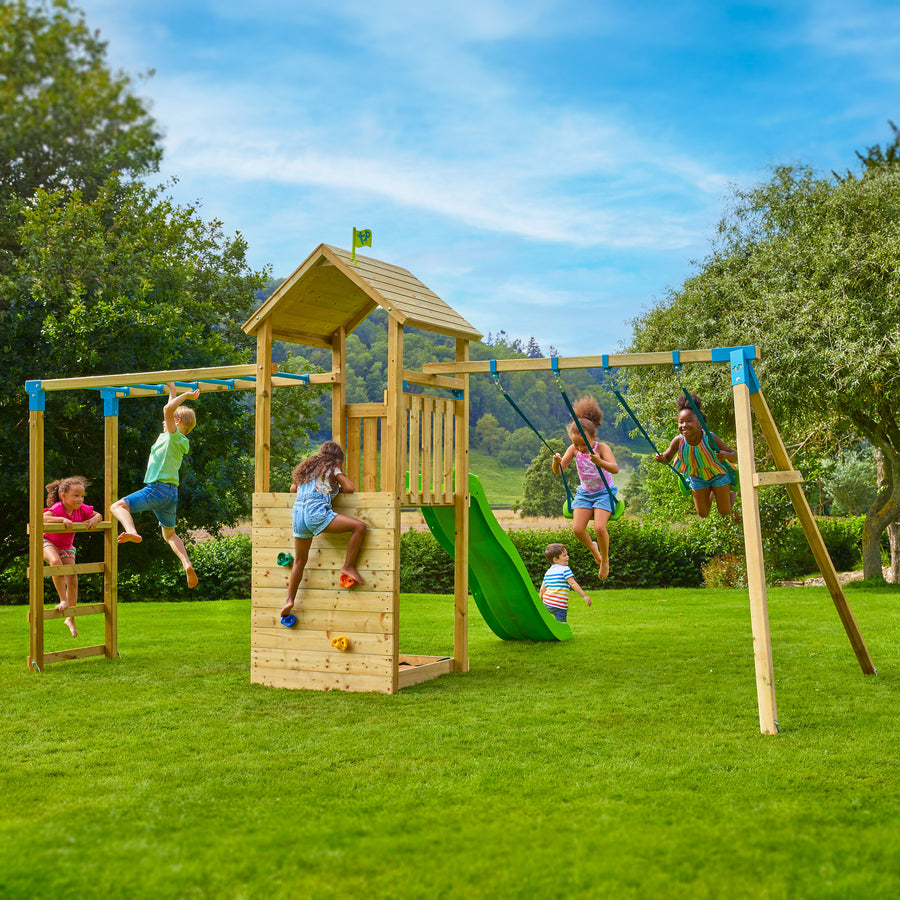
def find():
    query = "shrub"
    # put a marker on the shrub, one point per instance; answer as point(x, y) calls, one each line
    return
point(726, 571)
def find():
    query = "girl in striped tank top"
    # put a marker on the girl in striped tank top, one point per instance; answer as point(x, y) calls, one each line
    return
point(592, 499)
point(700, 458)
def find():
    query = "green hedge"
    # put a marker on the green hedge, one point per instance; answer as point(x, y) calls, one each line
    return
point(222, 565)
point(642, 556)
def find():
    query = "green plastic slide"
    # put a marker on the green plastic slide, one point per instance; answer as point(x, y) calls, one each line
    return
point(498, 579)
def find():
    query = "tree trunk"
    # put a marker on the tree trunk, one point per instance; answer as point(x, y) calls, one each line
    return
point(894, 535)
point(883, 514)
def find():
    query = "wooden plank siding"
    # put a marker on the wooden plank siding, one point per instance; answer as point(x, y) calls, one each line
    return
point(303, 656)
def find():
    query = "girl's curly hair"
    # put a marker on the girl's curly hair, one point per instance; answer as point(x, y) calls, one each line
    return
point(321, 465)
point(590, 416)
point(61, 486)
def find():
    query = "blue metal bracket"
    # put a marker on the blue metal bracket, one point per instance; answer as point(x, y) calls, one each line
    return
point(110, 401)
point(742, 370)
point(676, 360)
point(36, 396)
point(457, 393)
point(493, 365)
point(554, 365)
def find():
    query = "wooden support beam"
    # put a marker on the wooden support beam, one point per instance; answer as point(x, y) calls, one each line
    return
point(110, 537)
point(339, 391)
point(765, 479)
point(461, 521)
point(813, 535)
point(35, 538)
point(756, 574)
point(614, 360)
point(436, 381)
point(262, 444)
point(98, 381)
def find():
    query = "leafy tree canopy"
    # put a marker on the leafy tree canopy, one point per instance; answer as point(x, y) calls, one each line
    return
point(808, 269)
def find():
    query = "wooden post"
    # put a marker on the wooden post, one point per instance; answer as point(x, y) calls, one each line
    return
point(339, 390)
point(263, 406)
point(756, 574)
point(110, 536)
point(813, 535)
point(461, 550)
point(36, 537)
point(393, 454)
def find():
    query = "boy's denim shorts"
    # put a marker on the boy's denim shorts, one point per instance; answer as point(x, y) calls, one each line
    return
point(716, 481)
point(556, 612)
point(598, 500)
point(160, 498)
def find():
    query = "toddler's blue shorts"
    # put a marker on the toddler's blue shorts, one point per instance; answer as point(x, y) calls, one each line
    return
point(556, 612)
point(598, 500)
point(160, 498)
point(716, 481)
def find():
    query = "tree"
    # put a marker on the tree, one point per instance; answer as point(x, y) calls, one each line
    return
point(66, 120)
point(808, 269)
point(100, 273)
point(489, 434)
point(544, 492)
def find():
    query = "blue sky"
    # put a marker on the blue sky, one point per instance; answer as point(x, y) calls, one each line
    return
point(548, 167)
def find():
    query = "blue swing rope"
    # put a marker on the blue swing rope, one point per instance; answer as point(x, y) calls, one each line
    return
point(612, 499)
point(676, 365)
point(495, 377)
point(615, 389)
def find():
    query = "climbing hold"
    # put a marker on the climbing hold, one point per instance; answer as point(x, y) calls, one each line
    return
point(341, 643)
point(285, 559)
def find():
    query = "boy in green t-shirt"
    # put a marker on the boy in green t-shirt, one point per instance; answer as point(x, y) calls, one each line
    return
point(160, 492)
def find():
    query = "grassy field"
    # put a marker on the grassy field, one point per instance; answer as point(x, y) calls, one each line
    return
point(625, 763)
point(503, 484)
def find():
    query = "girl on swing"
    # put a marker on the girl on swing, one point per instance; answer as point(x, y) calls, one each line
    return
point(592, 499)
point(700, 458)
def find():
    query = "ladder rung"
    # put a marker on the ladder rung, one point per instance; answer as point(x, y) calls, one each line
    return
point(85, 609)
point(75, 653)
point(75, 569)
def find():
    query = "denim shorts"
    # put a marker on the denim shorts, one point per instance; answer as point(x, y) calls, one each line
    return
point(312, 517)
point(598, 500)
point(557, 613)
point(160, 498)
point(716, 481)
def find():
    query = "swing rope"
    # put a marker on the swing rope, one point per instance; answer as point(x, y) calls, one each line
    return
point(495, 377)
point(610, 378)
point(616, 509)
point(676, 365)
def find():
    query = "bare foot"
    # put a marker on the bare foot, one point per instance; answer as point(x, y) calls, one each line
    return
point(71, 623)
point(603, 574)
point(286, 609)
point(63, 604)
point(350, 572)
point(595, 552)
point(191, 576)
point(129, 537)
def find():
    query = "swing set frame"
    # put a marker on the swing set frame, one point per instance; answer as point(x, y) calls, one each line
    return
point(748, 401)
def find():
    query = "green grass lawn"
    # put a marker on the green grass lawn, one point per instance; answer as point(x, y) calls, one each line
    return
point(625, 763)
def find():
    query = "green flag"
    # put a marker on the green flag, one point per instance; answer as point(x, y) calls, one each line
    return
point(360, 239)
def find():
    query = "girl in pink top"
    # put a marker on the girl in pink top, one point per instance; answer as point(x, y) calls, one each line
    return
point(65, 506)
point(592, 497)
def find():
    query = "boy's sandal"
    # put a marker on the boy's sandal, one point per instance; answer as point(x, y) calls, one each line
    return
point(347, 581)
point(288, 621)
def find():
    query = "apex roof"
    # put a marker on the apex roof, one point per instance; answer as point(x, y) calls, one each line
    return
point(328, 291)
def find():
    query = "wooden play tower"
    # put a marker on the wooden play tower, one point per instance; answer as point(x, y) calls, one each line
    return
point(410, 450)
